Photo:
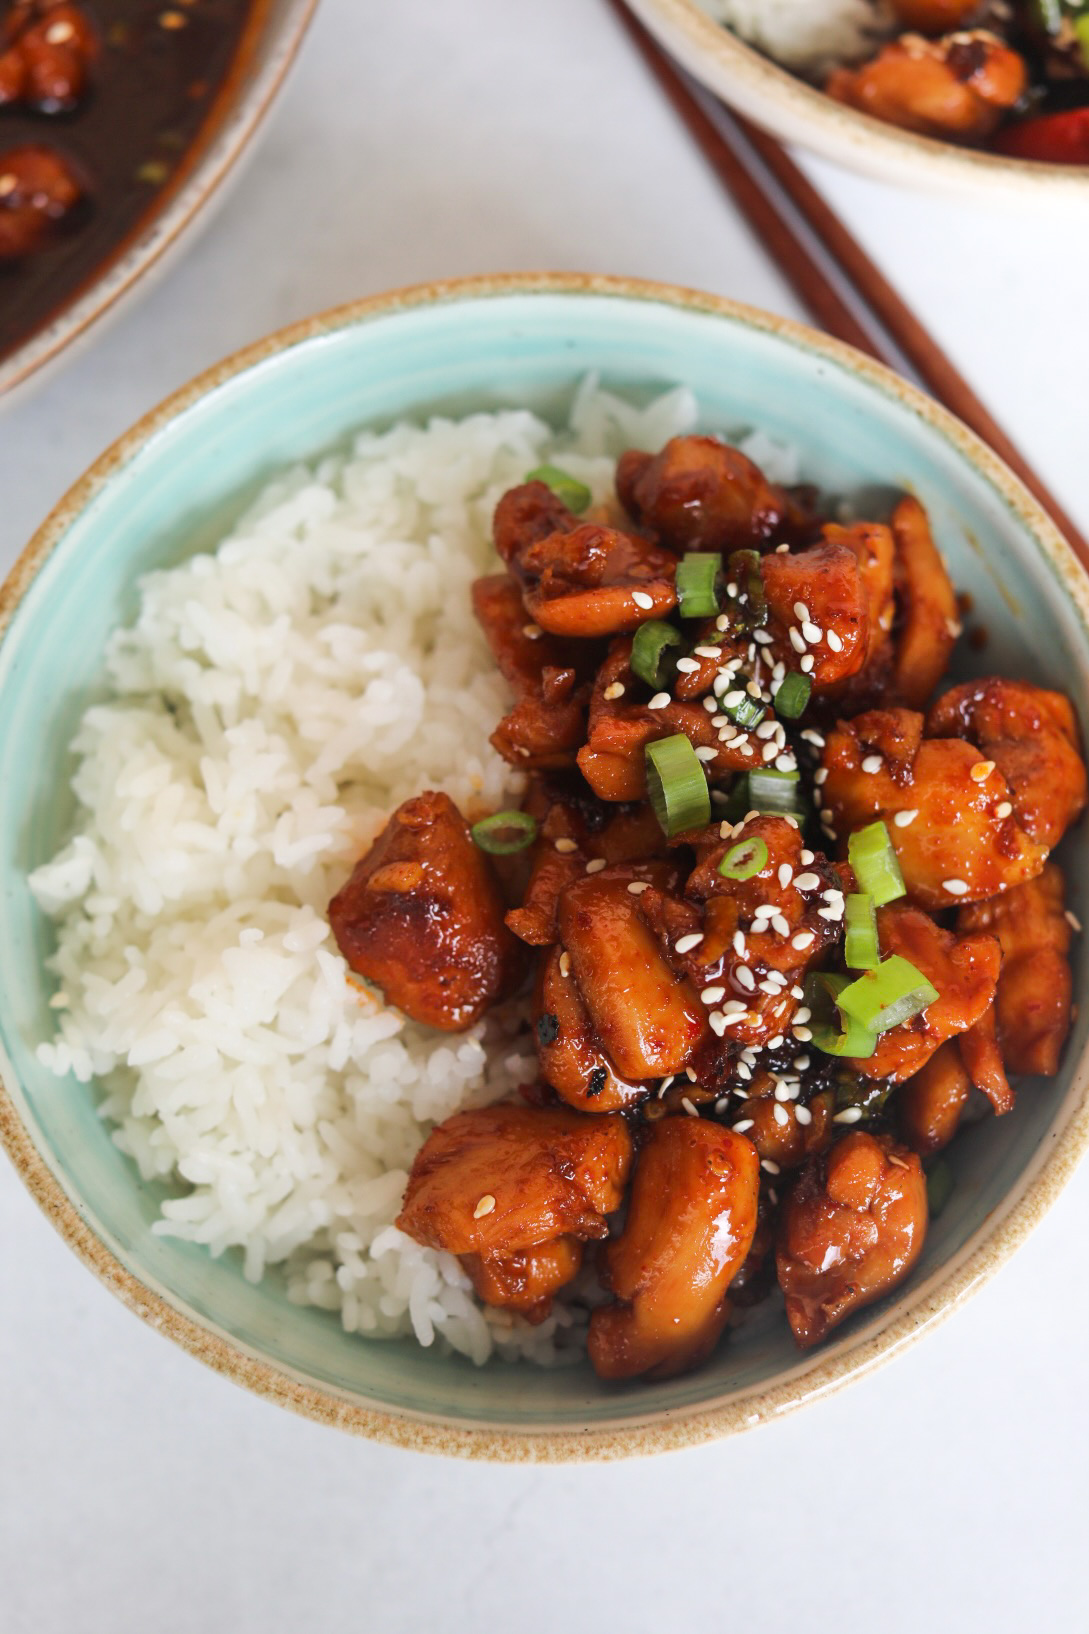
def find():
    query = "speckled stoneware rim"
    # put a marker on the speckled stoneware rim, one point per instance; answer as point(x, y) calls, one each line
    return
point(815, 1376)
point(789, 108)
point(235, 119)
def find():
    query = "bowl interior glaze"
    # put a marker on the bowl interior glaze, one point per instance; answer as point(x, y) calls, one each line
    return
point(173, 488)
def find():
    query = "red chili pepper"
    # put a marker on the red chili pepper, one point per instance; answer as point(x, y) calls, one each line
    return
point(1054, 138)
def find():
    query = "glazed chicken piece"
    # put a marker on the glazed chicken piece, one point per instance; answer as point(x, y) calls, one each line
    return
point(701, 494)
point(573, 1059)
point(963, 969)
point(982, 1057)
point(46, 54)
point(649, 1019)
point(526, 1281)
point(422, 918)
point(872, 545)
point(613, 759)
point(548, 722)
point(775, 1129)
point(37, 190)
point(505, 1179)
point(949, 813)
point(928, 624)
point(958, 87)
point(1033, 1004)
point(930, 1103)
point(690, 1225)
point(581, 579)
point(1031, 735)
point(852, 1227)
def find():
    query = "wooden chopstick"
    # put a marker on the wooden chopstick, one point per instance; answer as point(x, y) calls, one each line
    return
point(825, 265)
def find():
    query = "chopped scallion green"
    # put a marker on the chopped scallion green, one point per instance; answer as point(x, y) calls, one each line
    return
point(677, 785)
point(886, 997)
point(650, 651)
point(504, 832)
point(745, 572)
point(793, 696)
point(699, 574)
point(745, 711)
point(776, 793)
point(575, 494)
point(744, 860)
point(871, 855)
point(860, 945)
point(833, 1032)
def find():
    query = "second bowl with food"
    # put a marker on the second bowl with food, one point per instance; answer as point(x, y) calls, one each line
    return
point(531, 805)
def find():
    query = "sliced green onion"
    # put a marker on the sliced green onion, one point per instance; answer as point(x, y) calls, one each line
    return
point(650, 651)
point(860, 945)
point(677, 785)
point(871, 855)
point(504, 832)
point(699, 574)
point(745, 572)
point(887, 996)
point(792, 696)
point(748, 711)
point(939, 1186)
point(575, 494)
point(776, 793)
point(744, 860)
point(833, 1032)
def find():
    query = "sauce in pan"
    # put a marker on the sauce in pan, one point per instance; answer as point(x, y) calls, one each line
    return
point(90, 153)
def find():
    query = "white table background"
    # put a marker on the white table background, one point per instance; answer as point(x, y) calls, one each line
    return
point(140, 1494)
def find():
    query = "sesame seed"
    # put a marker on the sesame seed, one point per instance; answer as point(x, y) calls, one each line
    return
point(807, 882)
point(812, 632)
point(722, 623)
point(659, 700)
point(641, 599)
point(723, 725)
point(785, 874)
point(805, 663)
point(850, 1114)
point(1004, 810)
point(689, 1108)
point(800, 1063)
point(767, 729)
point(615, 689)
point(722, 1105)
point(718, 1022)
point(777, 1042)
point(690, 1074)
point(741, 741)
point(834, 641)
point(638, 886)
point(739, 944)
point(833, 912)
point(785, 763)
point(832, 895)
point(782, 550)
point(781, 1115)
point(802, 1034)
point(766, 910)
point(753, 690)
point(820, 776)
point(769, 752)
point(769, 1167)
point(744, 1071)
point(565, 963)
point(688, 666)
point(485, 1206)
point(711, 705)
point(796, 638)
point(57, 33)
point(711, 995)
point(1072, 920)
point(707, 652)
point(769, 988)
point(784, 1090)
point(707, 753)
point(804, 1013)
point(804, 939)
point(904, 819)
point(954, 627)
point(732, 699)
point(781, 924)
point(982, 770)
point(803, 1114)
point(687, 943)
point(872, 763)
point(745, 976)
point(763, 637)
point(735, 1007)
point(801, 611)
point(532, 632)
point(806, 858)
point(564, 846)
point(740, 1128)
point(955, 887)
point(595, 865)
point(665, 1083)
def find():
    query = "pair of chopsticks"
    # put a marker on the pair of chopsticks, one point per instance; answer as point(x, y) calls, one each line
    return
point(830, 272)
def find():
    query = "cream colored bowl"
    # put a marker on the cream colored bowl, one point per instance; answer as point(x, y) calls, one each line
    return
point(796, 112)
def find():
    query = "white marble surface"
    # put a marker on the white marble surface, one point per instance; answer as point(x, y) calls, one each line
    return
point(140, 1493)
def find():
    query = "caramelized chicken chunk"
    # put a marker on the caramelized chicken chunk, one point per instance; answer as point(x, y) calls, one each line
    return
point(422, 917)
point(930, 1103)
point(958, 87)
point(524, 517)
point(548, 722)
point(46, 53)
point(37, 190)
point(949, 814)
point(505, 1179)
point(690, 1225)
point(525, 1281)
point(826, 581)
point(1032, 1007)
point(963, 969)
point(701, 494)
point(1031, 735)
point(572, 1057)
point(983, 1061)
point(928, 607)
point(774, 1128)
point(852, 1227)
point(650, 1020)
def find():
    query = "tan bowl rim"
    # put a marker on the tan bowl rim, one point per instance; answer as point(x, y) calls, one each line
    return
point(772, 96)
point(147, 245)
point(816, 1376)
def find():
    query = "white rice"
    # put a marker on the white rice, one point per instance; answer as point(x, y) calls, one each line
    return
point(809, 36)
point(269, 707)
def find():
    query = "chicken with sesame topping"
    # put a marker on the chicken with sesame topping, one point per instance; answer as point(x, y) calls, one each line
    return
point(701, 494)
point(958, 87)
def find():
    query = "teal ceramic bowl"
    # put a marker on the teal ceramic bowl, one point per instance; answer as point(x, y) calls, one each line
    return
point(174, 484)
